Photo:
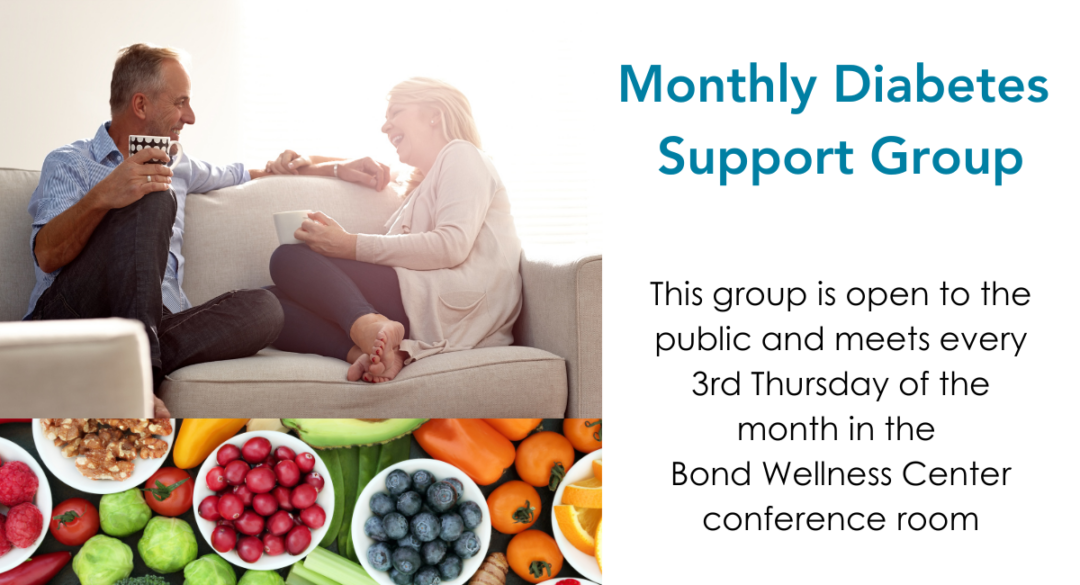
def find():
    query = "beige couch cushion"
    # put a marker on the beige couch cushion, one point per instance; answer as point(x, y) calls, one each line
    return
point(229, 234)
point(561, 313)
point(491, 382)
point(105, 369)
point(16, 264)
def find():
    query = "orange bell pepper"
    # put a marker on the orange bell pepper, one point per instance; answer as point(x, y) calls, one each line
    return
point(470, 444)
point(198, 437)
point(514, 429)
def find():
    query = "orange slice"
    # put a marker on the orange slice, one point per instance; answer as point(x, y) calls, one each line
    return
point(587, 493)
point(599, 533)
point(597, 468)
point(579, 526)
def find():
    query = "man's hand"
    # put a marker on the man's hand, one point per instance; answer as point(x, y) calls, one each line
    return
point(133, 179)
point(287, 163)
point(326, 236)
point(366, 172)
point(62, 239)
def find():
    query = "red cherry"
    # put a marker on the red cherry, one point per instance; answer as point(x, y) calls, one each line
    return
point(250, 548)
point(298, 540)
point(306, 462)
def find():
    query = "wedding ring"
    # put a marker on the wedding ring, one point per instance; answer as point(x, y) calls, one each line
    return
point(148, 179)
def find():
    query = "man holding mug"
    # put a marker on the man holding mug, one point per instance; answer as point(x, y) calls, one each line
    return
point(108, 225)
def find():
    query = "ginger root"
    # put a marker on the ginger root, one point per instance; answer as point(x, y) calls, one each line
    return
point(492, 572)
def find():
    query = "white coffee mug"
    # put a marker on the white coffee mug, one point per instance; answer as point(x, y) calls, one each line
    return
point(287, 222)
point(137, 142)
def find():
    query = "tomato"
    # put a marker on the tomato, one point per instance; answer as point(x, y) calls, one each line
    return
point(169, 491)
point(584, 433)
point(542, 459)
point(74, 521)
point(514, 507)
point(534, 556)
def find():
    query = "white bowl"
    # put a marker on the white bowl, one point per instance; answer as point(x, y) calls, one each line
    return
point(325, 500)
point(441, 471)
point(585, 564)
point(64, 468)
point(43, 500)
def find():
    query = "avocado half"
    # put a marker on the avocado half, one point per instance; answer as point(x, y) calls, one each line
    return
point(331, 433)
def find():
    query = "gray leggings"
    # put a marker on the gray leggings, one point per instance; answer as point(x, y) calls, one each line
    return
point(322, 297)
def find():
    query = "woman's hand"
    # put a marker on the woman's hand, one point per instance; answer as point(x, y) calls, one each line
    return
point(366, 172)
point(326, 236)
point(287, 163)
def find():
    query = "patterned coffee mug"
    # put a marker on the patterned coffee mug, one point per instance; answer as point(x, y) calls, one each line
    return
point(172, 147)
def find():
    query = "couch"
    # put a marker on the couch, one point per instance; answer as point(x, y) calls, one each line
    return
point(554, 369)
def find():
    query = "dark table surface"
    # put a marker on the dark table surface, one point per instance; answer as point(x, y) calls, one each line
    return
point(19, 433)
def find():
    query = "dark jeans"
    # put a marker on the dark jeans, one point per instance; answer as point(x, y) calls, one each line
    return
point(119, 274)
point(322, 297)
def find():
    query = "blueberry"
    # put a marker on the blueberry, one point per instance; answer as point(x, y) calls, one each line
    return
point(422, 480)
point(395, 525)
point(398, 482)
point(427, 576)
point(467, 546)
point(441, 496)
point(471, 514)
point(459, 488)
point(427, 508)
point(425, 527)
point(452, 527)
point(400, 578)
point(382, 504)
point(410, 541)
point(406, 560)
point(409, 504)
point(378, 555)
point(450, 567)
point(374, 530)
point(433, 552)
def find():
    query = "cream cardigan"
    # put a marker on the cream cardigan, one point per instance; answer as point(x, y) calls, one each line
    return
point(456, 253)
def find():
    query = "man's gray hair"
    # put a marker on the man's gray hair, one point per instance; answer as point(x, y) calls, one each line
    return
point(138, 70)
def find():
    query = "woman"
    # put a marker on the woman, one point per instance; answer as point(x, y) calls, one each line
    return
point(443, 278)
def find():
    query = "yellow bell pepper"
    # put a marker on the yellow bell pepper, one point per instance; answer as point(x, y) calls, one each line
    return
point(198, 437)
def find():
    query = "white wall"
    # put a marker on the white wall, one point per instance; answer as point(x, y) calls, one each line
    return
point(58, 59)
point(313, 77)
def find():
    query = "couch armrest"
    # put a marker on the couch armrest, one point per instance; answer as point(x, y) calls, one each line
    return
point(96, 368)
point(561, 313)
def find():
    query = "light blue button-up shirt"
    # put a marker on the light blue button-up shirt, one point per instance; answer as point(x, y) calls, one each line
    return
point(71, 171)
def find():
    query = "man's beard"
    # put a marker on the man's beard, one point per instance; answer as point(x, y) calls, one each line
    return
point(160, 128)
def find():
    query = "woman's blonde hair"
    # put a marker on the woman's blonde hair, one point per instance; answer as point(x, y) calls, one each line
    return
point(453, 107)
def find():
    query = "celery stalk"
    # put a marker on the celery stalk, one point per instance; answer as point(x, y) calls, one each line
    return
point(337, 568)
point(302, 575)
point(294, 577)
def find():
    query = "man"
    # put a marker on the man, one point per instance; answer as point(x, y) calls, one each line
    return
point(108, 227)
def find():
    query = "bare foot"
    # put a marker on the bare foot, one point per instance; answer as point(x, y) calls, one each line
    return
point(387, 340)
point(359, 367)
point(159, 409)
point(389, 366)
point(373, 334)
